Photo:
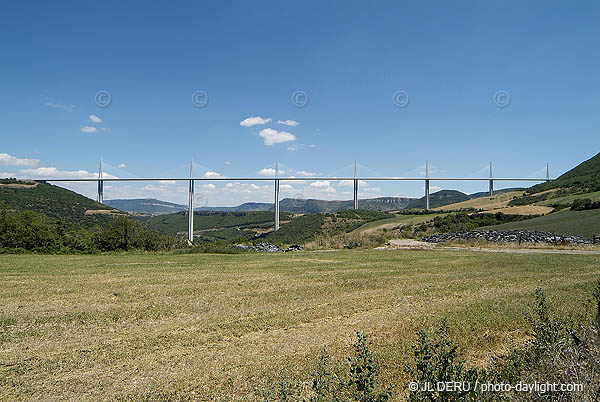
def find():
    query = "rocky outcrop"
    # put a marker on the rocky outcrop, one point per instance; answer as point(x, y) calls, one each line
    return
point(269, 247)
point(506, 236)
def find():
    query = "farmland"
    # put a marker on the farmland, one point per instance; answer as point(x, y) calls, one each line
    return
point(227, 327)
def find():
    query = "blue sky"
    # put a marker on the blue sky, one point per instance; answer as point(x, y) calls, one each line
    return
point(249, 58)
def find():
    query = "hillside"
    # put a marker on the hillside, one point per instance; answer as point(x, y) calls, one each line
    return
point(216, 225)
point(579, 223)
point(302, 229)
point(484, 202)
point(149, 206)
point(55, 202)
point(585, 177)
point(240, 226)
point(439, 198)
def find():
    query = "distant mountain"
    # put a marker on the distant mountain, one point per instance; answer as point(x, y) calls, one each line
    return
point(153, 206)
point(439, 199)
point(148, 206)
point(585, 176)
point(245, 207)
point(71, 208)
point(301, 206)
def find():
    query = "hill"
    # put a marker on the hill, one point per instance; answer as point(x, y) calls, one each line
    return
point(585, 177)
point(153, 206)
point(304, 228)
point(216, 225)
point(580, 223)
point(439, 198)
point(69, 207)
point(496, 192)
point(240, 226)
point(308, 206)
point(149, 206)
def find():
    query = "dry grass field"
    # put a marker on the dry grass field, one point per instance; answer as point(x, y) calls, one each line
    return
point(497, 201)
point(228, 327)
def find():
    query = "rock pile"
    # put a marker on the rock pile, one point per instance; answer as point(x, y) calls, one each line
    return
point(506, 236)
point(269, 247)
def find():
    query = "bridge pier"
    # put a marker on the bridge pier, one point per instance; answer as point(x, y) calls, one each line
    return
point(276, 204)
point(100, 184)
point(426, 194)
point(491, 181)
point(191, 205)
point(427, 186)
point(276, 195)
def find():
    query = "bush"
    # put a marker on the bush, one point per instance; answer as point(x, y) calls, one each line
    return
point(28, 231)
point(463, 221)
point(127, 234)
point(436, 359)
point(359, 384)
point(582, 204)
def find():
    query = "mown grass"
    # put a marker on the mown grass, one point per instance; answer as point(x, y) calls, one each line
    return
point(227, 327)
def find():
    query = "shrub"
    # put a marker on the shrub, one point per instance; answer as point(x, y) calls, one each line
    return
point(127, 234)
point(582, 204)
point(436, 359)
point(359, 384)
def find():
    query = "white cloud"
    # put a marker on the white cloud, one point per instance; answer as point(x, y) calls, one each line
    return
point(9, 160)
point(320, 184)
point(167, 182)
point(432, 188)
point(52, 172)
point(273, 137)
point(227, 163)
point(269, 172)
point(350, 183)
point(88, 129)
point(212, 175)
point(94, 119)
point(122, 166)
point(294, 181)
point(253, 121)
point(51, 103)
point(286, 187)
point(307, 174)
point(297, 147)
point(291, 123)
point(247, 188)
point(208, 186)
